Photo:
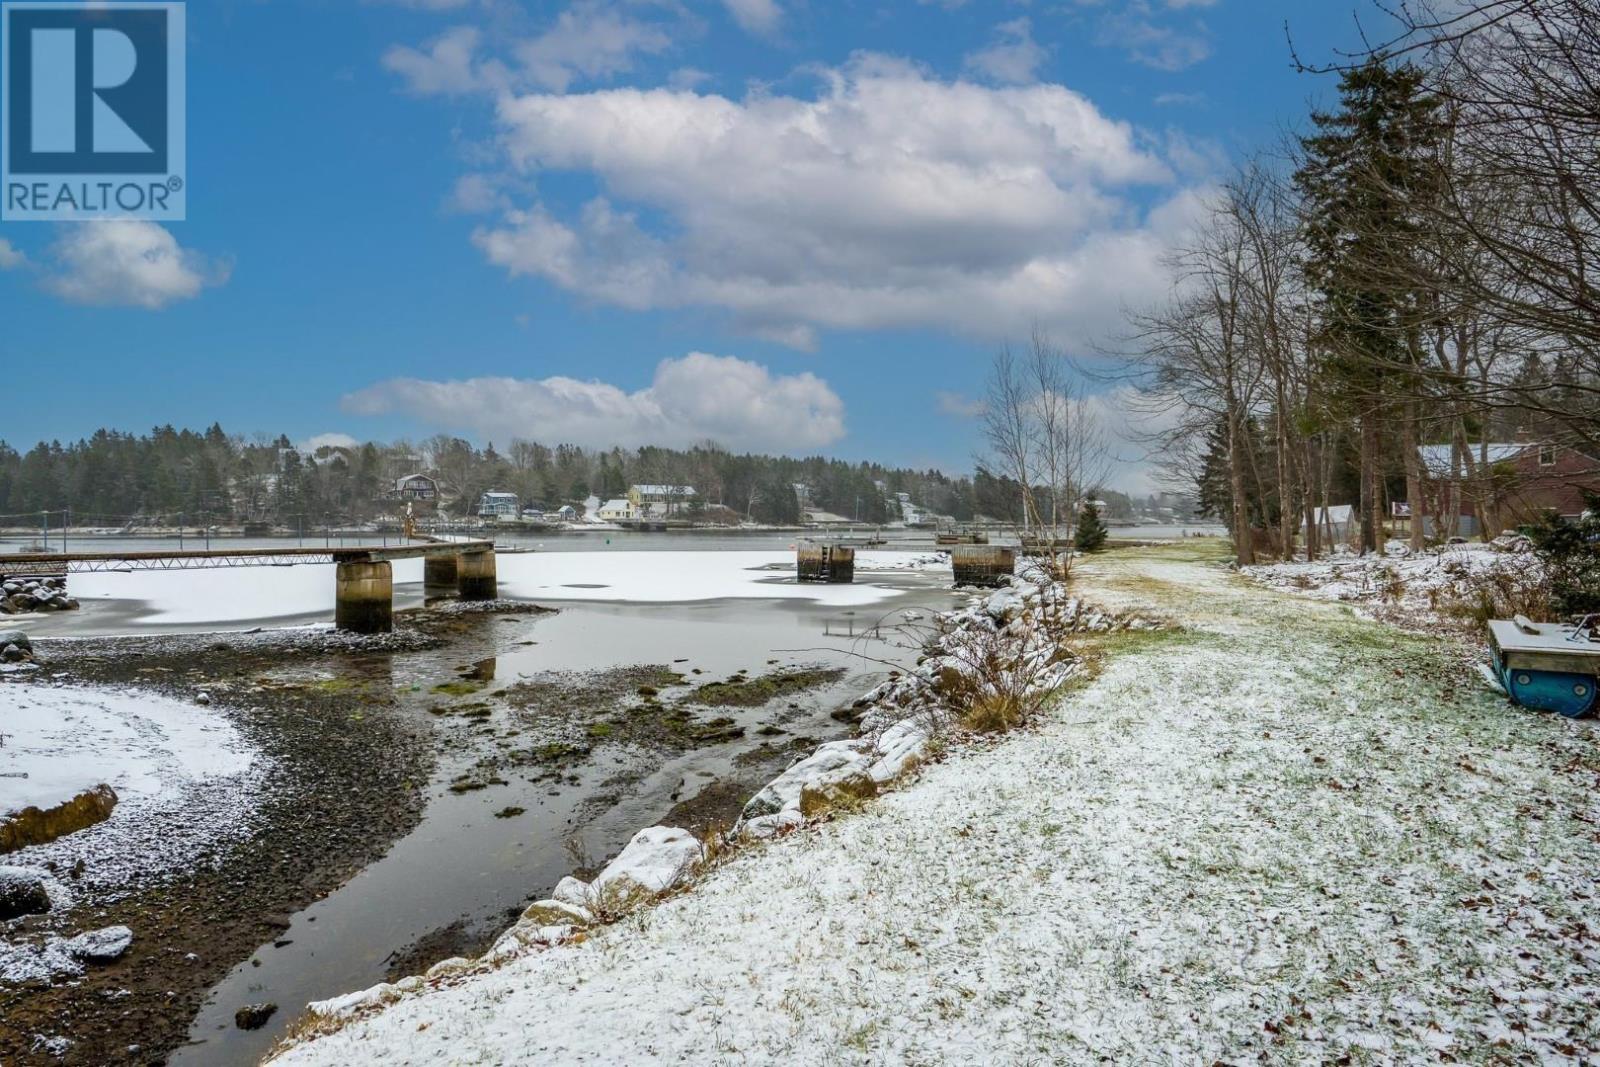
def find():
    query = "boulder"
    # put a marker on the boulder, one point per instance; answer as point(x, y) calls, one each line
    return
point(36, 826)
point(844, 787)
point(900, 746)
point(657, 859)
point(16, 637)
point(783, 792)
point(13, 654)
point(254, 1016)
point(573, 891)
point(22, 892)
point(556, 913)
point(99, 946)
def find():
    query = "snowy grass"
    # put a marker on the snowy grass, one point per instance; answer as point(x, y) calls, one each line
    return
point(1285, 834)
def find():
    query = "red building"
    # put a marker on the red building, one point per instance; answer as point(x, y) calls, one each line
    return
point(1525, 480)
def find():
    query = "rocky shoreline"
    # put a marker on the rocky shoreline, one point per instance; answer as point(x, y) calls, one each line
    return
point(905, 721)
point(187, 930)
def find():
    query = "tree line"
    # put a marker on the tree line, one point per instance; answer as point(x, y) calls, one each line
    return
point(1417, 267)
point(167, 475)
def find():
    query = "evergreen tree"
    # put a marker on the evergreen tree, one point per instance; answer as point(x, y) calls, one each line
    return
point(1090, 535)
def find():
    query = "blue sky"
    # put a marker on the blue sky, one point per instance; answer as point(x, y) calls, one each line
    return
point(786, 225)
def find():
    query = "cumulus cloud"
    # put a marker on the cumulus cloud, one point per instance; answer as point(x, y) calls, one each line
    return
point(1012, 58)
point(10, 256)
point(734, 401)
point(129, 263)
point(891, 198)
point(755, 16)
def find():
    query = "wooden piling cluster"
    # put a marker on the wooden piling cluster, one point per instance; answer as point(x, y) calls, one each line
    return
point(817, 562)
point(983, 565)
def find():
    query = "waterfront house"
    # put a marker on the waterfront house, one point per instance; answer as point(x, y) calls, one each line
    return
point(659, 501)
point(498, 506)
point(614, 511)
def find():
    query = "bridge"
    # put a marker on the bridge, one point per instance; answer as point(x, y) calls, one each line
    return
point(363, 575)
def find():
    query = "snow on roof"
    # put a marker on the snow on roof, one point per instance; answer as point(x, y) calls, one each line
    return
point(664, 490)
point(1439, 459)
point(614, 504)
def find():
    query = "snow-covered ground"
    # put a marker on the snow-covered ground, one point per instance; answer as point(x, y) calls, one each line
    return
point(185, 777)
point(1441, 586)
point(1285, 833)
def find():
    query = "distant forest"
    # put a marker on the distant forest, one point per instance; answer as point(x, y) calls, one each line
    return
point(114, 478)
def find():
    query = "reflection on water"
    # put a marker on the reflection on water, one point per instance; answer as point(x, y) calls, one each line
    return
point(462, 866)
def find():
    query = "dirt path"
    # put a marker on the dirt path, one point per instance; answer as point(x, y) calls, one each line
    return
point(1282, 833)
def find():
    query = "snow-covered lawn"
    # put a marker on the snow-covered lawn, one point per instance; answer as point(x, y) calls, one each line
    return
point(1441, 587)
point(1285, 833)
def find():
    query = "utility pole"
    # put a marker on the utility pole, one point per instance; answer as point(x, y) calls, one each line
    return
point(44, 519)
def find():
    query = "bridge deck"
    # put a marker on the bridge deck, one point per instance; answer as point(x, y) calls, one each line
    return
point(54, 563)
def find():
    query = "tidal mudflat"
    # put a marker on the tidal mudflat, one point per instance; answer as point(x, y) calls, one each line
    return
point(413, 792)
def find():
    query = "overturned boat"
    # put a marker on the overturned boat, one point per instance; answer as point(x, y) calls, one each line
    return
point(1548, 665)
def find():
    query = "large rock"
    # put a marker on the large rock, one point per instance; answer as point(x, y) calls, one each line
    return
point(16, 637)
point(899, 748)
point(36, 826)
point(22, 892)
point(844, 787)
point(783, 792)
point(254, 1016)
point(556, 913)
point(657, 859)
point(99, 946)
point(572, 891)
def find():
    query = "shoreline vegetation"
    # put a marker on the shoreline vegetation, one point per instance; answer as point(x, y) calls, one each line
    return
point(1014, 893)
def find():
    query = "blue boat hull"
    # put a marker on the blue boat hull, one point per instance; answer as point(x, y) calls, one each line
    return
point(1571, 695)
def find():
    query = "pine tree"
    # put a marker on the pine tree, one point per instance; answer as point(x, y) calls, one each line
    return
point(1363, 165)
point(1090, 536)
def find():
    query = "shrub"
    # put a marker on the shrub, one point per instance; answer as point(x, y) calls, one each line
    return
point(1570, 552)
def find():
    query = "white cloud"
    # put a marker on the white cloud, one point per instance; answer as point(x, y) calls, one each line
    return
point(10, 256)
point(131, 263)
point(327, 440)
point(760, 17)
point(589, 40)
point(1151, 42)
point(739, 403)
point(890, 199)
point(448, 66)
point(1012, 58)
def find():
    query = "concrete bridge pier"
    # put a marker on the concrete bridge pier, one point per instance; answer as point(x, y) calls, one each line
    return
point(364, 598)
point(475, 576)
point(438, 573)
